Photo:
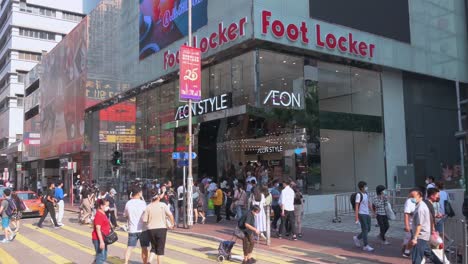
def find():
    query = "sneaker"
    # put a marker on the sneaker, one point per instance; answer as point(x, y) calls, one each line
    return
point(60, 224)
point(263, 236)
point(357, 242)
point(57, 226)
point(252, 260)
point(299, 236)
point(39, 226)
point(406, 254)
point(280, 237)
point(13, 237)
point(385, 242)
point(294, 237)
point(368, 248)
point(5, 241)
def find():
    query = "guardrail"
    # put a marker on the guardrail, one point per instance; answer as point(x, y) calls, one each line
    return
point(455, 241)
point(397, 199)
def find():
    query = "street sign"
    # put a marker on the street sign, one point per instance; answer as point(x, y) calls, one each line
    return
point(182, 163)
point(190, 73)
point(183, 155)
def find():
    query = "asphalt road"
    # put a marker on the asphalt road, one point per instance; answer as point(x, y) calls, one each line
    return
point(72, 244)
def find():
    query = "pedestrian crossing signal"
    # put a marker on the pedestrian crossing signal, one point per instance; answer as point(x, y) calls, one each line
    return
point(117, 158)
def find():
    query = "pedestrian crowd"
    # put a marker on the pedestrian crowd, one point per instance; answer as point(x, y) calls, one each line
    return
point(425, 211)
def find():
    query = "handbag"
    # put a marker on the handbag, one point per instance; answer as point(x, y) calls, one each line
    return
point(449, 209)
point(239, 233)
point(389, 211)
point(111, 238)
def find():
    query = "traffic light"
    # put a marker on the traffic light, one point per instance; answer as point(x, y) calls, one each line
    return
point(117, 158)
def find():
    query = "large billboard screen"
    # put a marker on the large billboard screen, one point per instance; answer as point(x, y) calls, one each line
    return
point(381, 17)
point(164, 21)
point(63, 95)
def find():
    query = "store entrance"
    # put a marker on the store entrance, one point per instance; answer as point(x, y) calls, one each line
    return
point(207, 155)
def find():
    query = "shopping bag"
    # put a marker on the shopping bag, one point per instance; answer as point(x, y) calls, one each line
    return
point(210, 204)
point(435, 240)
point(390, 213)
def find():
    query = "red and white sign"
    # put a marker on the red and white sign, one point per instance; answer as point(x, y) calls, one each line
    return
point(190, 73)
point(224, 35)
point(345, 44)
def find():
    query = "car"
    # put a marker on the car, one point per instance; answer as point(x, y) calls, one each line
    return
point(32, 202)
point(34, 205)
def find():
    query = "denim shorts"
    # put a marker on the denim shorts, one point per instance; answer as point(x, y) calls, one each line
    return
point(134, 237)
point(5, 222)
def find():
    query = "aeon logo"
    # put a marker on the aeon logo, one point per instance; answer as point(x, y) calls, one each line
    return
point(285, 99)
point(177, 12)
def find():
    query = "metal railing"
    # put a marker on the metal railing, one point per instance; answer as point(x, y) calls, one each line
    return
point(397, 199)
point(455, 241)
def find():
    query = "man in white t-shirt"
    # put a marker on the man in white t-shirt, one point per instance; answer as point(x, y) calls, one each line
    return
point(410, 207)
point(362, 216)
point(134, 210)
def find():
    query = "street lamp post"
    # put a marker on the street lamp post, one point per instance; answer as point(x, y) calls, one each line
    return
point(190, 175)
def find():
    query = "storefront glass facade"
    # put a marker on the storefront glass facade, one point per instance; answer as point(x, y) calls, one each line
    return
point(295, 116)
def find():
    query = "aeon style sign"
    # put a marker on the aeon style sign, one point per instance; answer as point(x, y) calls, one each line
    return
point(285, 99)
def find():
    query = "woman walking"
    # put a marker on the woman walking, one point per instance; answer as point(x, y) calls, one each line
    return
point(258, 199)
point(200, 204)
point(101, 228)
point(379, 204)
point(156, 216)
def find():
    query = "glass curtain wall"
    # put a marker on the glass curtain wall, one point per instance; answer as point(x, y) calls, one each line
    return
point(314, 122)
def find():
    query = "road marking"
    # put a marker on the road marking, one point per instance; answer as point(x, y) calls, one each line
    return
point(7, 258)
point(214, 245)
point(72, 243)
point(119, 245)
point(42, 250)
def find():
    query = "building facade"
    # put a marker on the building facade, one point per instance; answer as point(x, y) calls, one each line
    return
point(28, 30)
point(328, 95)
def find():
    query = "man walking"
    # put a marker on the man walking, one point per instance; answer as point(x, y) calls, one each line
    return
point(286, 202)
point(49, 202)
point(422, 230)
point(362, 216)
point(275, 194)
point(6, 211)
point(134, 210)
point(61, 205)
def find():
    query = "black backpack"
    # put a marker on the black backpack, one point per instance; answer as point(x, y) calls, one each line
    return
point(352, 199)
point(448, 209)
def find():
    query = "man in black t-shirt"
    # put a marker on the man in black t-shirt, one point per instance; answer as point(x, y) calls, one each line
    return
point(247, 225)
point(49, 202)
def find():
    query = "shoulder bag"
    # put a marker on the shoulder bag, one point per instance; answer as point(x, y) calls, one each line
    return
point(111, 238)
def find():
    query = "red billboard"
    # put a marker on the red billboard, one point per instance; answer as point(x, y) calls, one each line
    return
point(190, 73)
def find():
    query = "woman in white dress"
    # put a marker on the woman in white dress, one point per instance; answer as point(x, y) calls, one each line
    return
point(260, 219)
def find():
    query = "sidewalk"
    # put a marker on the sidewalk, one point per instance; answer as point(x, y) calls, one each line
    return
point(322, 242)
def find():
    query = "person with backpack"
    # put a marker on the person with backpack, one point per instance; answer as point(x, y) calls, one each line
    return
point(362, 208)
point(7, 209)
point(49, 202)
point(247, 225)
point(20, 207)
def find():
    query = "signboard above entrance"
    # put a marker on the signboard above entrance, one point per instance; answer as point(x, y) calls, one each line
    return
point(214, 104)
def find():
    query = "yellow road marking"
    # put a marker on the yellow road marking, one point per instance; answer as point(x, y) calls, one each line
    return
point(119, 245)
point(7, 258)
point(42, 250)
point(72, 243)
point(206, 243)
point(214, 245)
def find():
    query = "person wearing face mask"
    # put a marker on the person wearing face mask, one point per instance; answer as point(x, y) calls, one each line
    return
point(379, 204)
point(134, 210)
point(362, 216)
point(422, 228)
point(410, 207)
point(430, 182)
point(101, 228)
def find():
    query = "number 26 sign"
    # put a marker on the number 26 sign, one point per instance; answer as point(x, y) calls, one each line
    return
point(190, 74)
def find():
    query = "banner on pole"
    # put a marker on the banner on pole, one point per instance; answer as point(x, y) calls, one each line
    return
point(190, 74)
